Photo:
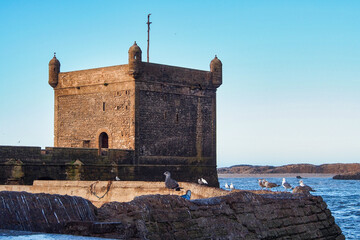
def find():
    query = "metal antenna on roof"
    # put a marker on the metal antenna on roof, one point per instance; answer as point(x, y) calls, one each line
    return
point(148, 40)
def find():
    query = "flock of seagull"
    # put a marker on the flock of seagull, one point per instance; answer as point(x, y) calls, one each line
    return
point(263, 183)
point(172, 184)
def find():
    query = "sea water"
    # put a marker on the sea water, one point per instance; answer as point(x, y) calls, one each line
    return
point(341, 196)
point(22, 235)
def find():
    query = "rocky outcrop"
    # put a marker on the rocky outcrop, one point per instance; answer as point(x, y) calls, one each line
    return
point(355, 176)
point(338, 168)
point(239, 215)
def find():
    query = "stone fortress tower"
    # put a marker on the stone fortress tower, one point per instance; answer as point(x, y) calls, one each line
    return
point(164, 115)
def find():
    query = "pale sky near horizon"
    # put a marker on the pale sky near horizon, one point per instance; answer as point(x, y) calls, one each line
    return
point(291, 75)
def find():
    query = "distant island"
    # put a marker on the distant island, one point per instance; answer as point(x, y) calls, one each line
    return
point(351, 176)
point(339, 169)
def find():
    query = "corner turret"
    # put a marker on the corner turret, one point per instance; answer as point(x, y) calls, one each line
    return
point(135, 60)
point(54, 70)
point(216, 71)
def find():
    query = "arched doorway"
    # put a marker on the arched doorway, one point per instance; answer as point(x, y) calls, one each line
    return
point(103, 140)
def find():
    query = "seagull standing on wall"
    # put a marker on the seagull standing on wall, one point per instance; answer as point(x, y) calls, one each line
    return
point(171, 183)
point(226, 186)
point(286, 185)
point(202, 181)
point(232, 186)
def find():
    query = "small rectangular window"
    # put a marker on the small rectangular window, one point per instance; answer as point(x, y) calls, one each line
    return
point(86, 143)
point(103, 106)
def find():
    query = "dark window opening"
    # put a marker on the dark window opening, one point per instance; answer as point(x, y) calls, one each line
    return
point(103, 106)
point(86, 143)
point(164, 115)
point(103, 140)
point(177, 117)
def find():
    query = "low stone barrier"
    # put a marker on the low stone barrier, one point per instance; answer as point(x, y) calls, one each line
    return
point(100, 192)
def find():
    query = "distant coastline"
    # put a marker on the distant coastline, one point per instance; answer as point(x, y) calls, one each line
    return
point(275, 175)
point(291, 170)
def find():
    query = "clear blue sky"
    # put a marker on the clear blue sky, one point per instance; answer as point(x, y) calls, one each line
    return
point(291, 69)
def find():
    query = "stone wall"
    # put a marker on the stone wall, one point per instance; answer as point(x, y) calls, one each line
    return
point(23, 165)
point(176, 116)
point(165, 114)
point(182, 126)
point(93, 101)
point(101, 192)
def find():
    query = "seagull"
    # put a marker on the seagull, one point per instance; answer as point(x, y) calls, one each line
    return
point(226, 185)
point(286, 185)
point(187, 196)
point(171, 183)
point(270, 184)
point(308, 188)
point(232, 186)
point(202, 181)
point(117, 178)
point(261, 183)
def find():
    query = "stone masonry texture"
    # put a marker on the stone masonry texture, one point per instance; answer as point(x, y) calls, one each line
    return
point(162, 118)
point(134, 121)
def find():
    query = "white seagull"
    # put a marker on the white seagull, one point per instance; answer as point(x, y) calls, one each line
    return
point(306, 187)
point(232, 186)
point(261, 183)
point(203, 181)
point(286, 185)
point(226, 185)
point(117, 178)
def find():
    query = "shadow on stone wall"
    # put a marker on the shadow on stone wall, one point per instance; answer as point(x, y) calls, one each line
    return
point(23, 165)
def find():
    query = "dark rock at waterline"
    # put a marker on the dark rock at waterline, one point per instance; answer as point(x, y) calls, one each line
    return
point(239, 215)
point(42, 212)
point(353, 176)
